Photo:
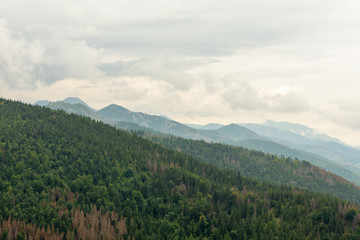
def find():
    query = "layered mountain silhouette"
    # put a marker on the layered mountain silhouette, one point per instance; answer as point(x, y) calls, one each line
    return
point(303, 138)
point(284, 139)
point(209, 126)
point(64, 176)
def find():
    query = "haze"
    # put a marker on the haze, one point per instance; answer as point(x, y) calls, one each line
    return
point(193, 61)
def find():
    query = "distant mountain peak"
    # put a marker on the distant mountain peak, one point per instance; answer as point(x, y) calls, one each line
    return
point(114, 106)
point(233, 125)
point(209, 126)
point(166, 117)
point(76, 100)
point(301, 130)
point(72, 99)
point(287, 125)
point(42, 103)
point(238, 132)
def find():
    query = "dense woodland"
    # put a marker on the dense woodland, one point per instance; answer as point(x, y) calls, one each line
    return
point(69, 177)
point(265, 167)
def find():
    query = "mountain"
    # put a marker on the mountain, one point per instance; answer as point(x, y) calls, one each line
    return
point(117, 113)
point(210, 126)
point(78, 108)
point(69, 177)
point(279, 135)
point(321, 145)
point(346, 155)
point(238, 133)
point(282, 150)
point(114, 114)
point(300, 130)
point(75, 100)
point(166, 117)
point(261, 138)
point(72, 105)
point(264, 146)
point(265, 167)
point(42, 103)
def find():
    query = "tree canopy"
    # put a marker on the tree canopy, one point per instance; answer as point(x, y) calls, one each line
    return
point(69, 177)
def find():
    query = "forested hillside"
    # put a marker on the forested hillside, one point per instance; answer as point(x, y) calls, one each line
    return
point(232, 134)
point(69, 177)
point(255, 144)
point(303, 138)
point(265, 167)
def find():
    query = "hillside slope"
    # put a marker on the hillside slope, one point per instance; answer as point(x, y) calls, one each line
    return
point(232, 134)
point(77, 108)
point(265, 167)
point(263, 146)
point(305, 139)
point(238, 133)
point(65, 176)
point(117, 113)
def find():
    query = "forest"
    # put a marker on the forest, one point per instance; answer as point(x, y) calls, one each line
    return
point(64, 176)
point(261, 166)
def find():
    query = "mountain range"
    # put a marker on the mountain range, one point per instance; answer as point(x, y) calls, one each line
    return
point(319, 144)
point(65, 176)
point(281, 138)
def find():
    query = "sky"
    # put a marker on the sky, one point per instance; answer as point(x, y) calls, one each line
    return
point(193, 61)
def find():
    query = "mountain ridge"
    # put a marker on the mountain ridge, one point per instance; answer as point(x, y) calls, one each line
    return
point(82, 179)
point(301, 130)
point(114, 114)
point(76, 100)
point(332, 150)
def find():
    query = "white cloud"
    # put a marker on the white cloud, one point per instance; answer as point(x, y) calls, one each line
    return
point(284, 89)
point(76, 59)
point(205, 60)
point(171, 68)
point(344, 112)
point(290, 102)
point(30, 64)
point(243, 96)
point(18, 58)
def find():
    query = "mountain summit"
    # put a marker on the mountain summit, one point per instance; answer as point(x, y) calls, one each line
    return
point(239, 133)
point(76, 100)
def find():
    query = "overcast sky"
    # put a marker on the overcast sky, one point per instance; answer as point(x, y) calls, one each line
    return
point(194, 61)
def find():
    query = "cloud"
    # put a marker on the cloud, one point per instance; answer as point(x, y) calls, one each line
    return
point(243, 96)
point(204, 28)
point(290, 102)
point(18, 58)
point(344, 112)
point(171, 68)
point(154, 55)
point(70, 59)
point(29, 64)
